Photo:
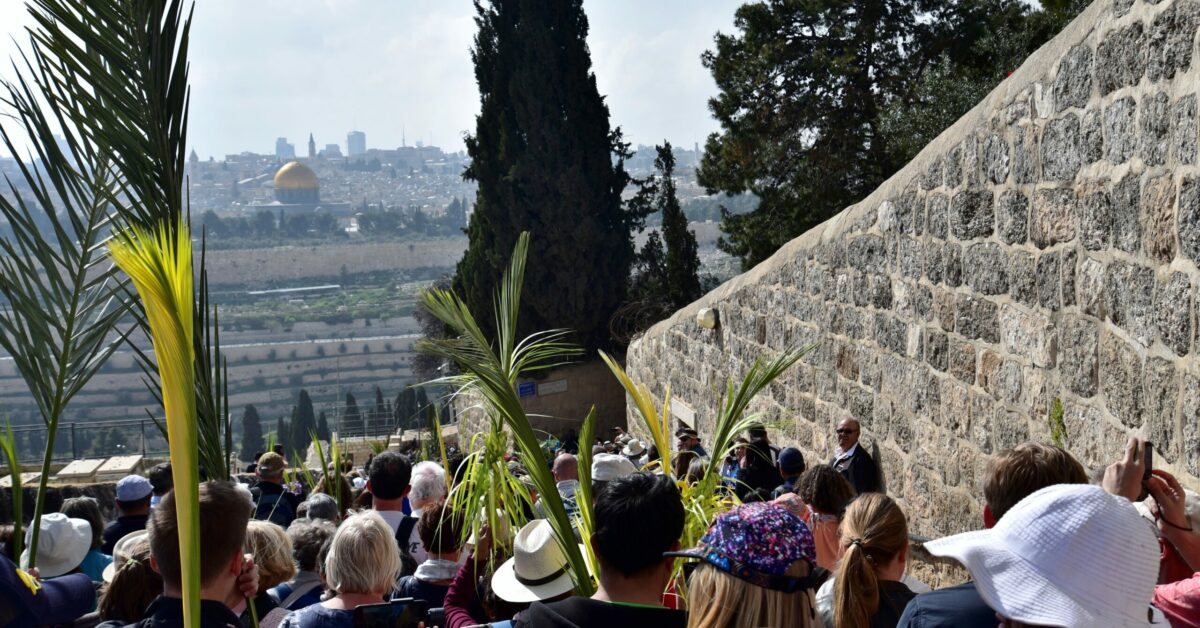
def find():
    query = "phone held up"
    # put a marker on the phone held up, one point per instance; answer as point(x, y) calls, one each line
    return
point(403, 613)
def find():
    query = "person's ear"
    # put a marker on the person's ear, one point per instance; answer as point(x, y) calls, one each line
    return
point(235, 565)
point(406, 490)
point(154, 564)
point(989, 520)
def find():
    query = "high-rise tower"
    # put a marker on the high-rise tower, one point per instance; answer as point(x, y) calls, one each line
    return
point(312, 147)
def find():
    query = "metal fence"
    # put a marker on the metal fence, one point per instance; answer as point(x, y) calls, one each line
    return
point(103, 439)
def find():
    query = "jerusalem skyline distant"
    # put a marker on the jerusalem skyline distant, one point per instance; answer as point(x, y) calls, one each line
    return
point(403, 71)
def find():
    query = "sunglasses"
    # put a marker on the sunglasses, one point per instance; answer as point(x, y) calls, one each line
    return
point(846, 431)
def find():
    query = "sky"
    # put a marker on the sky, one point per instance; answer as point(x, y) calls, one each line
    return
point(401, 70)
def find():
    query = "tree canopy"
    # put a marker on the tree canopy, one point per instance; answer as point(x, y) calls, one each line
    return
point(821, 101)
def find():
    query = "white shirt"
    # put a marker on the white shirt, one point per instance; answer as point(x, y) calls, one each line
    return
point(844, 454)
point(415, 548)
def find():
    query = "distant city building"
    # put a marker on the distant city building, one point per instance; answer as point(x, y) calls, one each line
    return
point(284, 150)
point(356, 143)
point(331, 151)
point(298, 190)
point(312, 147)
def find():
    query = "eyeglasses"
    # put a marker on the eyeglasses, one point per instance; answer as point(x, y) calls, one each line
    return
point(845, 431)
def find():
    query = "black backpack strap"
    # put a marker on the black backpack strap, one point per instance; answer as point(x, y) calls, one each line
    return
point(404, 532)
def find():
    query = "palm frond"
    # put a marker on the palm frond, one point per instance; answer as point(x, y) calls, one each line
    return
point(160, 265)
point(8, 444)
point(492, 373)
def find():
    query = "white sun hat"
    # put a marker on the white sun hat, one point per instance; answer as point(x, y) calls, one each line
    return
point(62, 546)
point(123, 551)
point(1068, 555)
point(634, 448)
point(608, 467)
point(538, 568)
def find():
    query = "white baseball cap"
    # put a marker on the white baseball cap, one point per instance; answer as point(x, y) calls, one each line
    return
point(1068, 555)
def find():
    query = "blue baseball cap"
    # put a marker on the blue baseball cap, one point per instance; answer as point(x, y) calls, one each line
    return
point(61, 600)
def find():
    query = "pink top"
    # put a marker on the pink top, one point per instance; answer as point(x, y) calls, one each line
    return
point(1180, 601)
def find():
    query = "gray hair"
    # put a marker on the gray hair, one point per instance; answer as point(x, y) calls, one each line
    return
point(307, 537)
point(363, 557)
point(322, 506)
point(428, 484)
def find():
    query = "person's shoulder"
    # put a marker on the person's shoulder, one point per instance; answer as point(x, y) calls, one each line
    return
point(959, 605)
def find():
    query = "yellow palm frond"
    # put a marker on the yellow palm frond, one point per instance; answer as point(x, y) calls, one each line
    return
point(160, 265)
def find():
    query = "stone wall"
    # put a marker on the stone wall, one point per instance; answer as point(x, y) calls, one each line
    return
point(1045, 246)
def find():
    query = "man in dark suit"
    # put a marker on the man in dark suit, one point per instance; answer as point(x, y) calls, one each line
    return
point(852, 461)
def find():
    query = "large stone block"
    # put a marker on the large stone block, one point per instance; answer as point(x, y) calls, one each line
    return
point(1121, 58)
point(985, 266)
point(936, 349)
point(962, 360)
point(932, 179)
point(1189, 218)
point(1022, 278)
point(1173, 312)
point(1121, 379)
point(1155, 129)
point(1025, 155)
point(1162, 393)
point(1129, 299)
point(1120, 128)
point(1078, 354)
point(891, 333)
point(1091, 126)
point(1061, 156)
point(1158, 219)
point(1054, 217)
point(1073, 84)
point(1012, 217)
point(1067, 272)
point(1183, 130)
point(952, 254)
point(1125, 199)
point(995, 158)
point(971, 214)
point(1028, 335)
point(977, 318)
point(880, 288)
point(1189, 420)
point(954, 164)
point(911, 255)
point(1095, 220)
point(866, 253)
point(944, 308)
point(936, 207)
point(1170, 40)
point(1048, 265)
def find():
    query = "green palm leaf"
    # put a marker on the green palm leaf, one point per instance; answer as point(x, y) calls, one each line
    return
point(492, 373)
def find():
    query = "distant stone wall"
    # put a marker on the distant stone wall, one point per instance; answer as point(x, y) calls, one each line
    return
point(1044, 246)
point(557, 403)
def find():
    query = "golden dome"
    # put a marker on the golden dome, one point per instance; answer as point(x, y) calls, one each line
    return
point(295, 176)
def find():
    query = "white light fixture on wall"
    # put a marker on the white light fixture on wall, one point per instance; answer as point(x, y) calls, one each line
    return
point(707, 318)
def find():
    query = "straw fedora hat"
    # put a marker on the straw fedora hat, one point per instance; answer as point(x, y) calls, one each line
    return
point(63, 545)
point(634, 448)
point(538, 568)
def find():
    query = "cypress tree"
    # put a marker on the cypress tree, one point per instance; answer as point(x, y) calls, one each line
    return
point(543, 156)
point(304, 423)
point(252, 433)
point(323, 427)
point(682, 263)
point(379, 415)
point(351, 418)
point(282, 433)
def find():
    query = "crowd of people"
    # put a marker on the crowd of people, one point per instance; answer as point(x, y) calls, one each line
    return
point(807, 546)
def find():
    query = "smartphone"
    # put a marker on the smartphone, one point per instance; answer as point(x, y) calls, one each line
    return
point(403, 613)
point(1149, 460)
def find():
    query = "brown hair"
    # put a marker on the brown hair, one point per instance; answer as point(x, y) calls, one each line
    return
point(826, 490)
point(272, 551)
point(88, 509)
point(133, 587)
point(224, 514)
point(873, 531)
point(1014, 474)
point(440, 529)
